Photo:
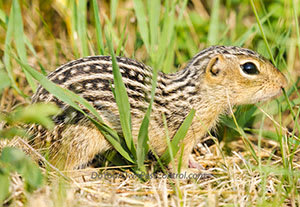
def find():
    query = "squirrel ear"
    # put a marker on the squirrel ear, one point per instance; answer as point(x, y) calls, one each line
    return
point(213, 68)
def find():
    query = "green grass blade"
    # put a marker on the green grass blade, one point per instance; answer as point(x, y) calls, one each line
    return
point(180, 158)
point(122, 41)
point(115, 158)
point(113, 10)
point(4, 80)
point(7, 50)
point(72, 99)
point(47, 28)
point(15, 160)
point(32, 50)
point(295, 117)
point(154, 14)
point(110, 27)
point(3, 17)
point(18, 31)
point(180, 134)
point(166, 36)
point(295, 9)
point(142, 145)
point(82, 27)
point(169, 58)
point(99, 35)
point(122, 100)
point(170, 149)
point(142, 23)
point(213, 32)
point(36, 113)
point(19, 40)
point(262, 32)
point(73, 35)
point(245, 139)
point(108, 133)
point(4, 188)
point(251, 31)
point(182, 9)
point(143, 136)
point(65, 95)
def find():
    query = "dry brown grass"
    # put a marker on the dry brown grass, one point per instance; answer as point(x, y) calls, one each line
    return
point(233, 181)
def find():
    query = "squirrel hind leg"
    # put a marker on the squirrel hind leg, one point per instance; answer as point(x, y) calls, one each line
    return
point(79, 144)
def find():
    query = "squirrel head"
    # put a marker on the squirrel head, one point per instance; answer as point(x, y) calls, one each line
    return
point(239, 75)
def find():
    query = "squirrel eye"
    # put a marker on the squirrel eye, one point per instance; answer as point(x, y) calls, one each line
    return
point(249, 68)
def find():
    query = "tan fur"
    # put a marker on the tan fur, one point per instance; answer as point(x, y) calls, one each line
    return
point(220, 84)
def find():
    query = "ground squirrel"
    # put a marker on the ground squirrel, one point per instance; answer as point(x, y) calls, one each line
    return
point(215, 77)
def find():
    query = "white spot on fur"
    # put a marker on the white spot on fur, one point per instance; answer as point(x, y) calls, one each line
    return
point(60, 77)
point(41, 97)
point(99, 85)
point(122, 70)
point(73, 71)
point(98, 103)
point(140, 77)
point(86, 68)
point(89, 85)
point(131, 73)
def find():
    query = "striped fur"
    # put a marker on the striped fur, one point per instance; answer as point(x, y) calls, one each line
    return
point(176, 94)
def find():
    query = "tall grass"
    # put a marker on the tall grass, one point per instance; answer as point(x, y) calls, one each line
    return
point(166, 35)
point(127, 150)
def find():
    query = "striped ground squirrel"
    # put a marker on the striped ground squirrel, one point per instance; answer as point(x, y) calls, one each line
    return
point(215, 77)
